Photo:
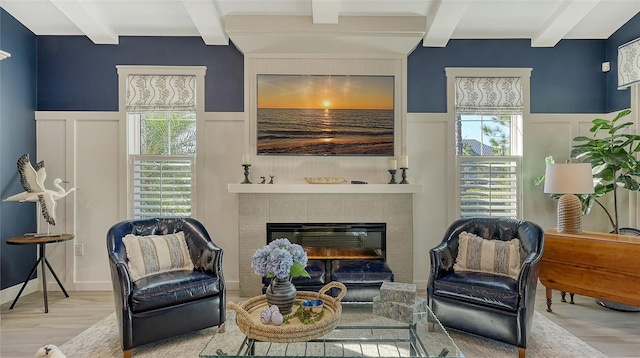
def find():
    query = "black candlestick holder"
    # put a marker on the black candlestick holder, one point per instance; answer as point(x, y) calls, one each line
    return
point(246, 174)
point(404, 176)
point(393, 176)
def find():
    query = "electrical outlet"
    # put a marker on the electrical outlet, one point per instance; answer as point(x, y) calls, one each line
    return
point(79, 249)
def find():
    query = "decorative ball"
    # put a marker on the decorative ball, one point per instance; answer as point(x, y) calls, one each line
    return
point(274, 308)
point(276, 318)
point(265, 316)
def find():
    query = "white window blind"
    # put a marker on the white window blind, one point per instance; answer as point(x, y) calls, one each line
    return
point(489, 186)
point(162, 185)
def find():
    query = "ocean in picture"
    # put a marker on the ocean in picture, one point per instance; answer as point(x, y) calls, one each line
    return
point(325, 131)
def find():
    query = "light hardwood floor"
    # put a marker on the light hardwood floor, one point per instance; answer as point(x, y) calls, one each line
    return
point(26, 328)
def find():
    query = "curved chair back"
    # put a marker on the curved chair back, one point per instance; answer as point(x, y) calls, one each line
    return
point(503, 229)
point(195, 235)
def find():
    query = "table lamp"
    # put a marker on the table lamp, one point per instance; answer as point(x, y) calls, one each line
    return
point(569, 179)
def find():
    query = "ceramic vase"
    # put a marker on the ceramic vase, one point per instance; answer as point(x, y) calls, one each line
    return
point(282, 293)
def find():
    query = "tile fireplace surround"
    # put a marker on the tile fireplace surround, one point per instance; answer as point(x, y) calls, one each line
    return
point(257, 209)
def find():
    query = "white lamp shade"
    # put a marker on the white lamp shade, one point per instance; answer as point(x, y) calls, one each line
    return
point(568, 178)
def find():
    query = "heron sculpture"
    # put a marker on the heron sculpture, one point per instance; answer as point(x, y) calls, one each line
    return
point(32, 179)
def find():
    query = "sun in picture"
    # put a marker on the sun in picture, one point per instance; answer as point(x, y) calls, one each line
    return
point(326, 104)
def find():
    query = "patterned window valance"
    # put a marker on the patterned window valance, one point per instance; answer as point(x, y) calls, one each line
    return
point(488, 95)
point(161, 92)
point(628, 64)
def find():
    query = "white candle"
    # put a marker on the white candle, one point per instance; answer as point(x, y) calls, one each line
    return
point(404, 161)
point(246, 159)
point(393, 164)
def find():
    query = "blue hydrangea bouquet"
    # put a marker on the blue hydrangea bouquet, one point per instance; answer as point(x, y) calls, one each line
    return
point(280, 259)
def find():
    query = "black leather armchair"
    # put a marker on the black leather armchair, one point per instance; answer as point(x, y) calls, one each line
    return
point(488, 305)
point(166, 304)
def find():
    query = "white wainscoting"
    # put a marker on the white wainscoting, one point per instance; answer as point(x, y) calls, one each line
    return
point(83, 148)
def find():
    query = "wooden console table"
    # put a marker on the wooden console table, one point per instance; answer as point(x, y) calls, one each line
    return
point(594, 264)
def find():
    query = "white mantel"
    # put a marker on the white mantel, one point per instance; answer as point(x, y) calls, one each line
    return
point(326, 188)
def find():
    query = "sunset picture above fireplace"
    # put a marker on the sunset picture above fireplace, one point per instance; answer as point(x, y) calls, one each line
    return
point(325, 115)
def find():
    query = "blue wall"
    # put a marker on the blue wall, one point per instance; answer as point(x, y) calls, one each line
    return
point(565, 78)
point(617, 100)
point(77, 75)
point(17, 136)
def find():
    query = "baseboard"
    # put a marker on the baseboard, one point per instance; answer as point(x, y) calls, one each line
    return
point(80, 286)
point(232, 285)
point(421, 284)
point(10, 293)
point(106, 286)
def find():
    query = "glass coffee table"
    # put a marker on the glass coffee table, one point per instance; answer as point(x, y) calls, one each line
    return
point(360, 333)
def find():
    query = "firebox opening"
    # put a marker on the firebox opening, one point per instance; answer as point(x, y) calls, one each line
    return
point(334, 241)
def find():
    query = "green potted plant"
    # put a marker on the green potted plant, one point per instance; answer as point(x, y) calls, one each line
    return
point(612, 155)
point(613, 158)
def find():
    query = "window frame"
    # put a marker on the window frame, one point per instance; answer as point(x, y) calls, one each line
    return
point(453, 164)
point(125, 209)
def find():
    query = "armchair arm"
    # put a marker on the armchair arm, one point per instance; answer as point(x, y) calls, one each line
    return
point(209, 259)
point(442, 260)
point(122, 287)
point(122, 284)
point(528, 278)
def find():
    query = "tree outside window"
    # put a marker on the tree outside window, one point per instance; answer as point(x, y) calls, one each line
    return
point(162, 167)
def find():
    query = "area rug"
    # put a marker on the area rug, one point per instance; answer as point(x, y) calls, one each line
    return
point(101, 340)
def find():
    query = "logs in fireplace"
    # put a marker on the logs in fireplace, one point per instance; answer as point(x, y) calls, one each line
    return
point(352, 253)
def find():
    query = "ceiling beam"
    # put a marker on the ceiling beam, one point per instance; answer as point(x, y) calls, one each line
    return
point(443, 21)
point(4, 54)
point(84, 19)
point(370, 36)
point(565, 18)
point(325, 11)
point(207, 20)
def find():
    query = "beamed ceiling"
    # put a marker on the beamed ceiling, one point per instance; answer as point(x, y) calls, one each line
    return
point(393, 26)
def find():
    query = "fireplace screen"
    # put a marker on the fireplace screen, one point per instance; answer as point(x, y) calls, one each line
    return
point(334, 241)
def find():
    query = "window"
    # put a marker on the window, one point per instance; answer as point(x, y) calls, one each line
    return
point(161, 163)
point(488, 139)
point(483, 135)
point(161, 132)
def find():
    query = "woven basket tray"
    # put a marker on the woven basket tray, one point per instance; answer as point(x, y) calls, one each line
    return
point(248, 318)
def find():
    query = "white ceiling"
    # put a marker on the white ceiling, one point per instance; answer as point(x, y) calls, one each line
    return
point(394, 26)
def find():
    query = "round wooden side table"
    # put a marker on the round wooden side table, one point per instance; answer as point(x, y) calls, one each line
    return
point(41, 241)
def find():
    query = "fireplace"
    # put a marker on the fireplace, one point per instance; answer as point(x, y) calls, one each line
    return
point(256, 210)
point(326, 241)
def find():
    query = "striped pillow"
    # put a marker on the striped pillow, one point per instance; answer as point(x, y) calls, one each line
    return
point(153, 254)
point(490, 256)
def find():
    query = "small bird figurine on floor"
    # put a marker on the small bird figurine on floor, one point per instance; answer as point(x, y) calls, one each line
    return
point(32, 179)
point(49, 351)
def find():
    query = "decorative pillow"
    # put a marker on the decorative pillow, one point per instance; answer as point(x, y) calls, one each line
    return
point(153, 254)
point(491, 256)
